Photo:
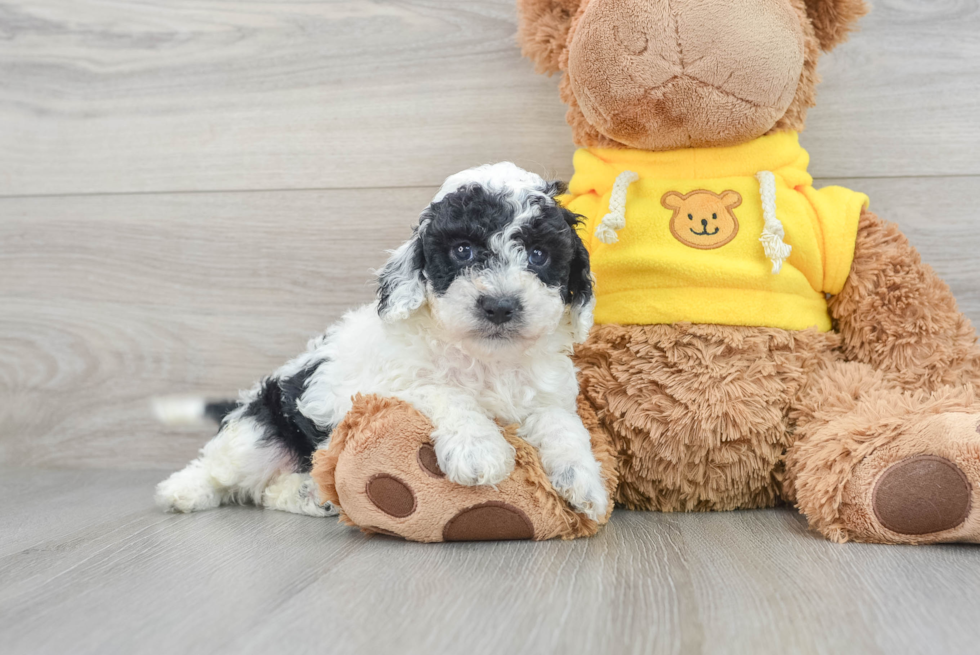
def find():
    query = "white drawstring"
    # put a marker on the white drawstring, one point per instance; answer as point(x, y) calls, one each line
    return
point(773, 233)
point(615, 220)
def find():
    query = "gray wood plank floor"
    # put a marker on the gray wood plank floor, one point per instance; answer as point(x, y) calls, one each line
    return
point(190, 189)
point(88, 566)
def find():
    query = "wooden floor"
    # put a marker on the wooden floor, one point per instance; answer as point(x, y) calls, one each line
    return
point(190, 189)
point(86, 566)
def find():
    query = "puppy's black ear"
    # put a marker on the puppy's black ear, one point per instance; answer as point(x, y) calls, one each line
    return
point(401, 283)
point(580, 295)
point(556, 188)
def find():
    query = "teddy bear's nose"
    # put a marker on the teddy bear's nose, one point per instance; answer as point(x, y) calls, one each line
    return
point(704, 223)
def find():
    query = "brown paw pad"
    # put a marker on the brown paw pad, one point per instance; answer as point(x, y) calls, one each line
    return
point(922, 495)
point(391, 495)
point(491, 521)
point(428, 461)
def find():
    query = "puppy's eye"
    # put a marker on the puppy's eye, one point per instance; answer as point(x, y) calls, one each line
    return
point(537, 257)
point(462, 252)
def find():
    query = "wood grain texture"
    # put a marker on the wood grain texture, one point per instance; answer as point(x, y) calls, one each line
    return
point(161, 95)
point(901, 97)
point(212, 182)
point(242, 580)
point(223, 94)
point(110, 300)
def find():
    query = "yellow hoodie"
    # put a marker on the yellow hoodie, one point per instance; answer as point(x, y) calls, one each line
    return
point(733, 236)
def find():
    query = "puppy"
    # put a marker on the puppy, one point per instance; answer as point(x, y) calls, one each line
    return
point(475, 320)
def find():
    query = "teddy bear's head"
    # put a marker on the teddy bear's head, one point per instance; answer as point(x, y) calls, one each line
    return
point(666, 74)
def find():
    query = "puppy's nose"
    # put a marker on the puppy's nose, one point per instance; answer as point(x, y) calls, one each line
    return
point(499, 310)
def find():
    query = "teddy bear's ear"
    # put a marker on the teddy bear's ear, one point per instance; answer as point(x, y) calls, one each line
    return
point(543, 30)
point(731, 199)
point(833, 20)
point(672, 200)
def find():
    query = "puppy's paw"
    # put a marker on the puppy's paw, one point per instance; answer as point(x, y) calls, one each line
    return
point(187, 491)
point(296, 493)
point(581, 485)
point(476, 458)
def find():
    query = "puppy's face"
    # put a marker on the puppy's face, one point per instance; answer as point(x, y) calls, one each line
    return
point(497, 264)
point(496, 259)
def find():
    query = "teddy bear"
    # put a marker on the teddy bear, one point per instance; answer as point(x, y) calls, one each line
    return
point(758, 341)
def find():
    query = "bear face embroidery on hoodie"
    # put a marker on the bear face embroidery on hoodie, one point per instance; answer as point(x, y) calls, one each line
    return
point(703, 219)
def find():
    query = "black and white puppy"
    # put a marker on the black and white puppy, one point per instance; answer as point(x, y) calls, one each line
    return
point(475, 321)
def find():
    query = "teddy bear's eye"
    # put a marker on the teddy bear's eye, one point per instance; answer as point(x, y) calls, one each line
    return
point(690, 217)
point(714, 216)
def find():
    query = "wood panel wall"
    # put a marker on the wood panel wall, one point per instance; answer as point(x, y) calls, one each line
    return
point(190, 189)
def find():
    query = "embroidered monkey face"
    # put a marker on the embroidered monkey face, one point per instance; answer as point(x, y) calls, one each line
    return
point(703, 219)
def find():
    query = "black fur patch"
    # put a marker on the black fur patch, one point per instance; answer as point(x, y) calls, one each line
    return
point(219, 409)
point(578, 288)
point(472, 215)
point(568, 266)
point(469, 215)
point(276, 408)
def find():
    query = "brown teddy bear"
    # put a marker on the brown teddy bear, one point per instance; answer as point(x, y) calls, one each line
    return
point(758, 341)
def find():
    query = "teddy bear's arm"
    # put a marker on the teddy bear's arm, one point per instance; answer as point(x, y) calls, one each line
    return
point(897, 315)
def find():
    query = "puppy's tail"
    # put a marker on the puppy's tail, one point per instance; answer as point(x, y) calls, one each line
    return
point(191, 410)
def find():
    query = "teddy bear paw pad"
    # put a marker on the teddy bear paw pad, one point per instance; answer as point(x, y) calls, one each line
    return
point(429, 462)
point(490, 521)
point(391, 495)
point(921, 495)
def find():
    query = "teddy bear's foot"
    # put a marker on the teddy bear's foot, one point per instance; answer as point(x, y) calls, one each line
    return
point(380, 470)
point(920, 487)
point(921, 495)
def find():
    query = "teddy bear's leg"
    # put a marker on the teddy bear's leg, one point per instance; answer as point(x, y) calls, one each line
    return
point(879, 464)
point(897, 315)
point(381, 472)
point(697, 413)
